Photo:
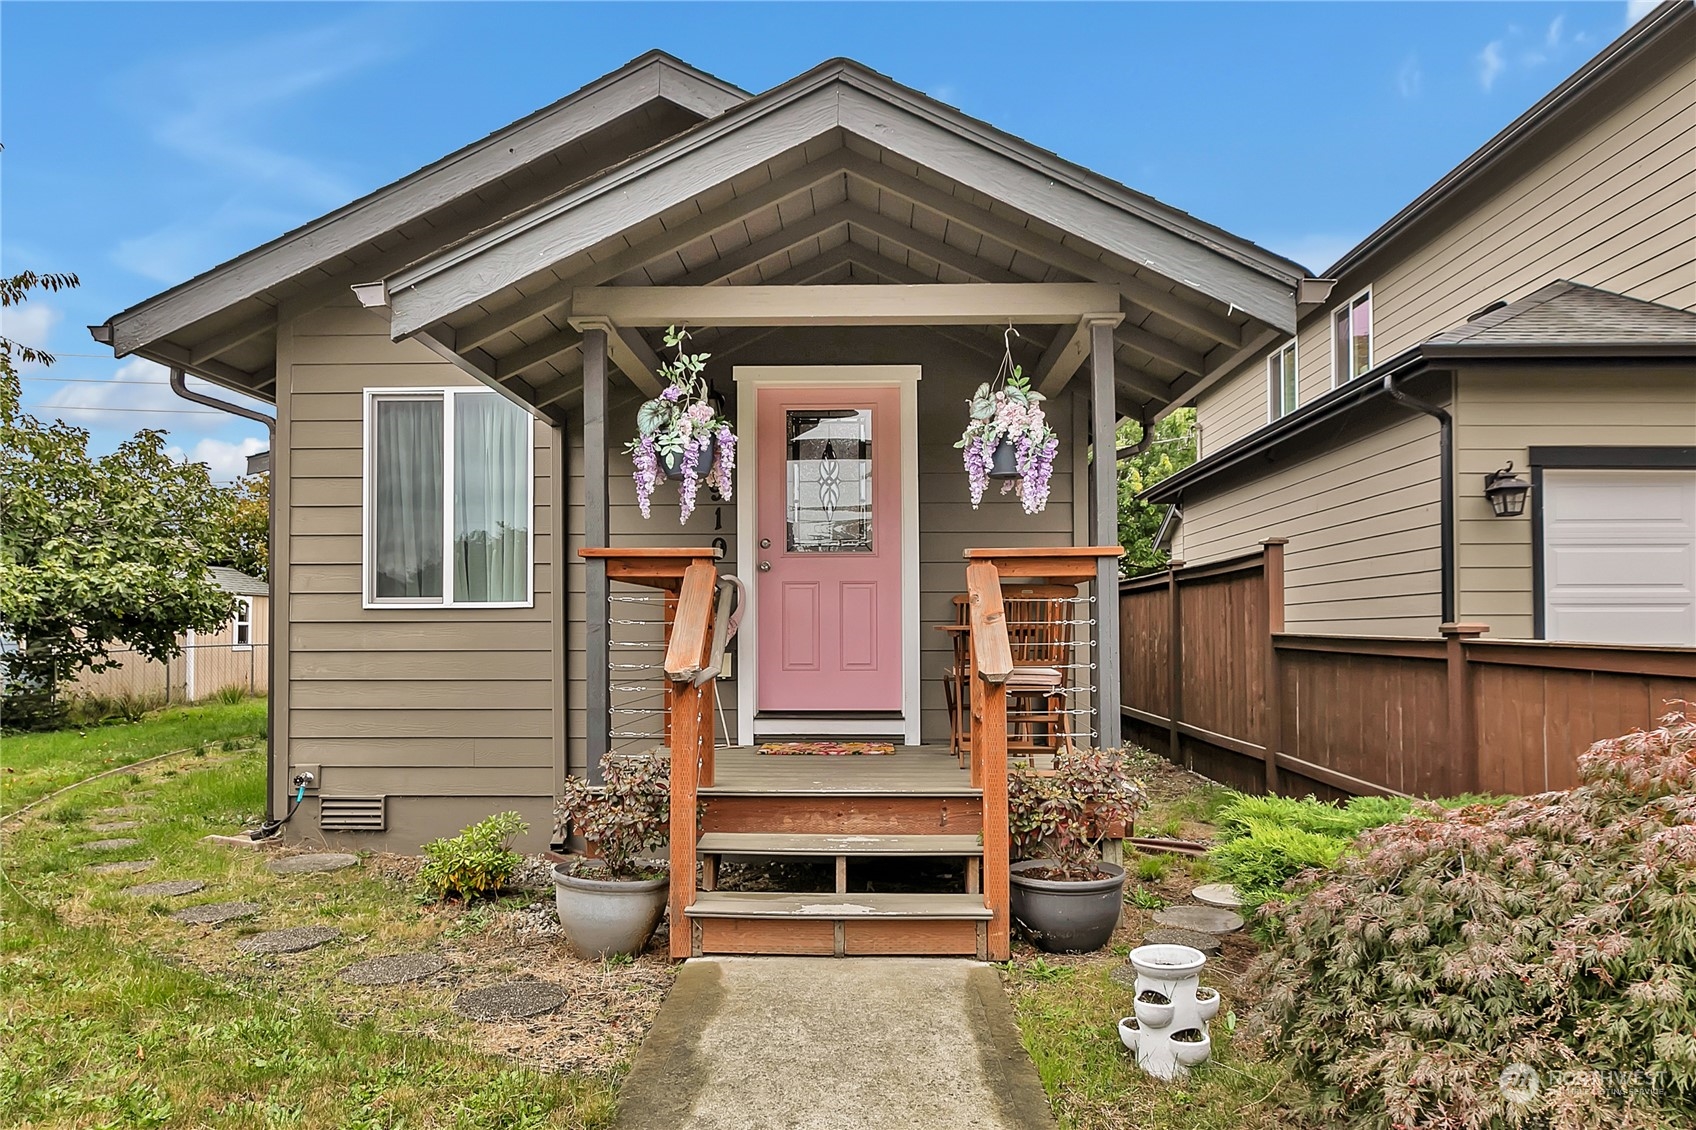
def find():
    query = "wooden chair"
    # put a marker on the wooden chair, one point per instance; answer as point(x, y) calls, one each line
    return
point(1039, 629)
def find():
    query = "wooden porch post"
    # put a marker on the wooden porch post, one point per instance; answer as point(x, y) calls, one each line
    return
point(1104, 528)
point(595, 536)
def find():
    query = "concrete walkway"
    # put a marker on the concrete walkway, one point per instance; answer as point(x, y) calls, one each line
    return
point(819, 1043)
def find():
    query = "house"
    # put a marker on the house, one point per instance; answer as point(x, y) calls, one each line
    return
point(1534, 313)
point(235, 656)
point(456, 362)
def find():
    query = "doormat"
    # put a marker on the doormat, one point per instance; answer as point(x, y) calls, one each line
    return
point(827, 749)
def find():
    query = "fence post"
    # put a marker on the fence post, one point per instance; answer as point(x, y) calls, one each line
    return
point(1272, 573)
point(1175, 669)
point(1463, 734)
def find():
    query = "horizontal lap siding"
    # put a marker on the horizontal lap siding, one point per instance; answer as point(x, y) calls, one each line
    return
point(1362, 519)
point(1577, 406)
point(1604, 200)
point(410, 703)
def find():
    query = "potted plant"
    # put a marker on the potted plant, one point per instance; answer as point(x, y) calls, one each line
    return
point(1063, 894)
point(613, 904)
point(1009, 438)
point(681, 434)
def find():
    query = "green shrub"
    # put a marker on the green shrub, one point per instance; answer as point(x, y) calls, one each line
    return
point(477, 861)
point(1554, 934)
point(231, 695)
point(1265, 841)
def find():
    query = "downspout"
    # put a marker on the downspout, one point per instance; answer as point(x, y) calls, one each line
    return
point(179, 386)
point(1446, 506)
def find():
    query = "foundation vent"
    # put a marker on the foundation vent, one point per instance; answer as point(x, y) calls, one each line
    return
point(353, 813)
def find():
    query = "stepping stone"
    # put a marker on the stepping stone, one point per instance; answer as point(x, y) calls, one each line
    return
point(116, 826)
point(122, 811)
point(216, 913)
point(108, 845)
point(509, 1001)
point(1177, 936)
point(122, 867)
point(170, 888)
point(394, 969)
point(297, 939)
point(311, 864)
point(1206, 919)
point(1222, 895)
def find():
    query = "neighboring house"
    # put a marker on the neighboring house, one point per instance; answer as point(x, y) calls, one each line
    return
point(456, 361)
point(236, 655)
point(1541, 297)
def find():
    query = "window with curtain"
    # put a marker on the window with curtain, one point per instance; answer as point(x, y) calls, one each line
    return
point(449, 476)
point(1351, 339)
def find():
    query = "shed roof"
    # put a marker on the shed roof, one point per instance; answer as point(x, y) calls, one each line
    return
point(238, 583)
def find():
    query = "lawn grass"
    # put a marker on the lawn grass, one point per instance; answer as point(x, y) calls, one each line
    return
point(113, 1015)
point(37, 764)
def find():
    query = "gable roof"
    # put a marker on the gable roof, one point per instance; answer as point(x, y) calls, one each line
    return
point(1569, 319)
point(316, 246)
point(843, 94)
point(236, 582)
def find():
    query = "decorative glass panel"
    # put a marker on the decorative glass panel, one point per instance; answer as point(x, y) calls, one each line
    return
point(829, 480)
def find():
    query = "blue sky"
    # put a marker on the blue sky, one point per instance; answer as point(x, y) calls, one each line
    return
point(147, 142)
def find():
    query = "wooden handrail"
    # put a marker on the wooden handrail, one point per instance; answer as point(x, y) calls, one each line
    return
point(692, 624)
point(687, 655)
point(991, 657)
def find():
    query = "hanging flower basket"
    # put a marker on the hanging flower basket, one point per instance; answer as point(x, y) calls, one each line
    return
point(1008, 436)
point(682, 435)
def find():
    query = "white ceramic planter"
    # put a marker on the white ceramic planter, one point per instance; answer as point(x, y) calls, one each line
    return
point(1174, 973)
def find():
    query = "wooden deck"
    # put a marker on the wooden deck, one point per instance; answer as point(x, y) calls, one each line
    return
point(914, 771)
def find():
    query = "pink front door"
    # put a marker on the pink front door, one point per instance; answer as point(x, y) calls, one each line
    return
point(829, 527)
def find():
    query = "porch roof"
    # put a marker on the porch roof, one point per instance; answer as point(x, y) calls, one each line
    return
point(842, 176)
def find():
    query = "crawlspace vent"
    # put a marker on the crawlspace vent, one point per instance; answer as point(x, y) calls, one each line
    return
point(352, 813)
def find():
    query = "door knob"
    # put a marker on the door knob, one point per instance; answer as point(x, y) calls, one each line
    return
point(765, 566)
point(765, 543)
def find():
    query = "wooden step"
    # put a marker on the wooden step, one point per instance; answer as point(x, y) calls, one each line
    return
point(733, 922)
point(756, 843)
point(842, 814)
point(831, 907)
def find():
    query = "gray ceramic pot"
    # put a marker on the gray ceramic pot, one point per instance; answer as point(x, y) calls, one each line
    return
point(1066, 917)
point(672, 465)
point(601, 917)
point(1006, 465)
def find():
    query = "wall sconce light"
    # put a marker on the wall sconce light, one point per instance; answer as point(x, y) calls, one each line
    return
point(1506, 492)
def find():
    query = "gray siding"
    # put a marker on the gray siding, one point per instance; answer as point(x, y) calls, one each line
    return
point(410, 703)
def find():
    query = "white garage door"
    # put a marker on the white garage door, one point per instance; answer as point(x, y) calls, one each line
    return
point(1619, 556)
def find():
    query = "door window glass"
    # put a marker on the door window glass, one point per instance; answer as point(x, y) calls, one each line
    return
point(828, 480)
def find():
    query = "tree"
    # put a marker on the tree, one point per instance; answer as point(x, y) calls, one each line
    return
point(95, 553)
point(1173, 449)
point(248, 538)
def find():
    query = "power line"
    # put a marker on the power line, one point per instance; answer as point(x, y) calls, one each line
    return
point(99, 408)
point(91, 380)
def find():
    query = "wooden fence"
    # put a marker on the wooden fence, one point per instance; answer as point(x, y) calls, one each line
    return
point(1211, 678)
point(199, 673)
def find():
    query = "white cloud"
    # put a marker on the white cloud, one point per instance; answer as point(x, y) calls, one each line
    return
point(1491, 64)
point(135, 397)
point(224, 460)
point(1637, 9)
point(1552, 38)
point(188, 246)
point(1315, 250)
point(1410, 78)
point(945, 92)
point(30, 324)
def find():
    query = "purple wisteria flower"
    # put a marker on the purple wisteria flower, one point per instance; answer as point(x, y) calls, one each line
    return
point(678, 427)
point(1013, 415)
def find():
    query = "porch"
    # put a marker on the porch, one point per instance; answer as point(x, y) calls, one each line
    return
point(902, 803)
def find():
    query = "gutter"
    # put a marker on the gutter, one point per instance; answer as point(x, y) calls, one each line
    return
point(1446, 495)
point(179, 386)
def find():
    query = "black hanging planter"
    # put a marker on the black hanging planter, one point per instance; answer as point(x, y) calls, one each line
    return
point(1006, 465)
point(672, 465)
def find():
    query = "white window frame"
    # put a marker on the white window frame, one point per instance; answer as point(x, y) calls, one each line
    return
point(368, 572)
point(243, 619)
point(1275, 381)
point(1337, 378)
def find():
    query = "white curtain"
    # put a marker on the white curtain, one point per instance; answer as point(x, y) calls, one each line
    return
point(491, 496)
point(407, 491)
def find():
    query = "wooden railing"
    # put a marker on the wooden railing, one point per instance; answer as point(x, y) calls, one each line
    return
point(693, 651)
